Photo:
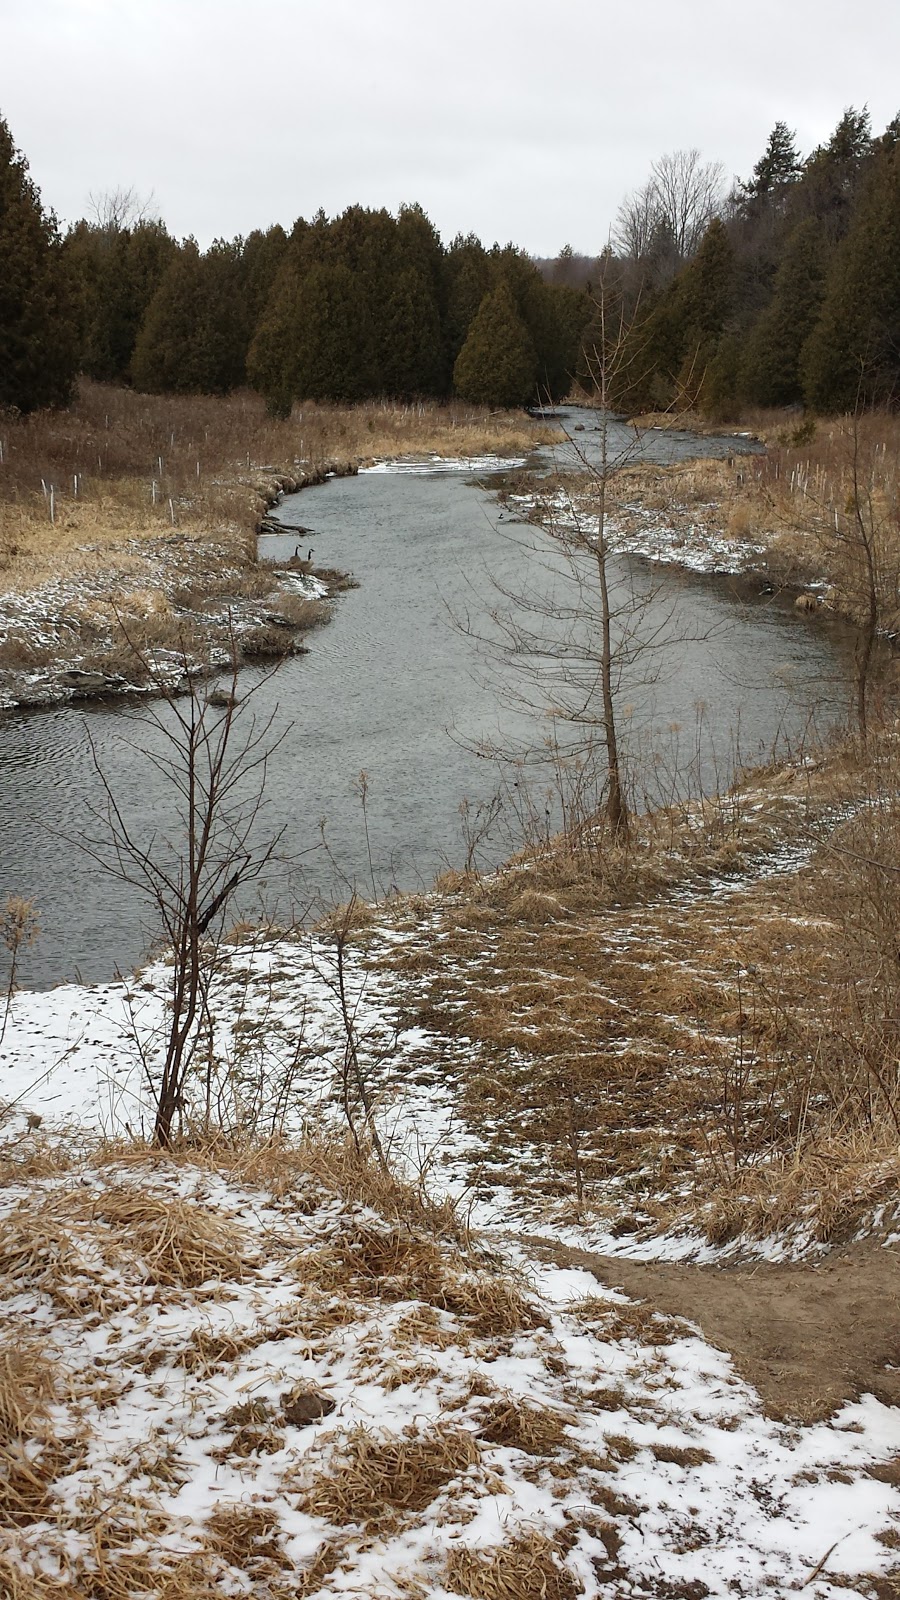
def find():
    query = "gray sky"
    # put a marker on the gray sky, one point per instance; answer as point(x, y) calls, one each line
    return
point(523, 121)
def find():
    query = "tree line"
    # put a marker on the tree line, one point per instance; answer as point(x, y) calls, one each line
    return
point(783, 292)
point(789, 295)
point(366, 304)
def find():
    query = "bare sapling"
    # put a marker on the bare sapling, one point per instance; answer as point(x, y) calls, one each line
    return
point(213, 754)
point(362, 1052)
point(587, 627)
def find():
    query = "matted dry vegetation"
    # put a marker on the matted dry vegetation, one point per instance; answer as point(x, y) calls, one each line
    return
point(178, 1408)
point(697, 1029)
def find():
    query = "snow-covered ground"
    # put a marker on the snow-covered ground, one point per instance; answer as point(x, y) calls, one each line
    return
point(434, 465)
point(578, 1446)
point(637, 530)
point(264, 1383)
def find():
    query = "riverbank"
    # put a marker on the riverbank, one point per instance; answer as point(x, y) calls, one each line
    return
point(675, 1084)
point(128, 529)
point(589, 1068)
point(816, 515)
point(279, 1373)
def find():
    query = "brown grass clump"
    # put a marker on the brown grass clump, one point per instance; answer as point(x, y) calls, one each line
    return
point(41, 1251)
point(613, 1322)
point(510, 1422)
point(27, 1382)
point(19, 1584)
point(376, 1478)
point(33, 1157)
point(398, 1265)
point(30, 1456)
point(247, 1537)
point(682, 1455)
point(207, 1352)
point(115, 1572)
point(177, 1242)
point(355, 1176)
point(529, 1568)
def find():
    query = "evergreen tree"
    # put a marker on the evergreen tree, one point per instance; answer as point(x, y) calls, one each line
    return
point(497, 365)
point(677, 342)
point(331, 333)
point(163, 354)
point(38, 332)
point(779, 164)
point(194, 337)
point(770, 365)
point(311, 341)
point(853, 353)
point(118, 270)
point(835, 172)
point(413, 360)
point(261, 257)
point(467, 279)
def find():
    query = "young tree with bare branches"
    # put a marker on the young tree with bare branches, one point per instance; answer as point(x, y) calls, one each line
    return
point(212, 753)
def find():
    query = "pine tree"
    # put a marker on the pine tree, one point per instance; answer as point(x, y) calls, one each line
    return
point(853, 354)
point(38, 328)
point(497, 365)
point(835, 173)
point(770, 364)
point(779, 164)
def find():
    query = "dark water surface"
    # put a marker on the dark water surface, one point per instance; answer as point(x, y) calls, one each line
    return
point(391, 686)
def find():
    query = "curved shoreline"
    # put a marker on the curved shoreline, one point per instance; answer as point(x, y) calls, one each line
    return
point(216, 602)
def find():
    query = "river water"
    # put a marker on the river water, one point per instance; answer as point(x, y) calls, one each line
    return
point(396, 686)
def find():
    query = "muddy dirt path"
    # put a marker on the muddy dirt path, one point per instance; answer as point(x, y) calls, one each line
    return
point(808, 1337)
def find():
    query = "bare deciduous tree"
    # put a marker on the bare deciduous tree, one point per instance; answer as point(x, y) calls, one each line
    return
point(663, 222)
point(574, 643)
point(114, 210)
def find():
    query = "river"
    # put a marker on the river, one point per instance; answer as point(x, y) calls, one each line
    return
point(395, 687)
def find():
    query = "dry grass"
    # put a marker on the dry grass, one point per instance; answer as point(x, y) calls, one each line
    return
point(395, 1264)
point(54, 1247)
point(149, 535)
point(723, 1058)
point(212, 458)
point(681, 1455)
point(798, 501)
point(528, 1568)
point(17, 1583)
point(247, 1537)
point(30, 1454)
point(513, 1423)
point(375, 1478)
point(175, 1241)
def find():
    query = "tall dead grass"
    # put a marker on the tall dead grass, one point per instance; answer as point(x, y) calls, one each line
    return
point(127, 467)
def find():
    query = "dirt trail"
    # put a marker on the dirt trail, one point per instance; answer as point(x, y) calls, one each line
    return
point(807, 1336)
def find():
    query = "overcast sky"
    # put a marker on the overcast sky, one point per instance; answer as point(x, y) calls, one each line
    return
point(524, 121)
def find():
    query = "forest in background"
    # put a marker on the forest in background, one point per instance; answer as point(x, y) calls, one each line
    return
point(782, 291)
